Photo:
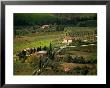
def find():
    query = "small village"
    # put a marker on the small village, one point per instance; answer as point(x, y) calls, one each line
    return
point(44, 52)
point(52, 49)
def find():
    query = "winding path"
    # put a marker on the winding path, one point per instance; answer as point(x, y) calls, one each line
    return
point(65, 46)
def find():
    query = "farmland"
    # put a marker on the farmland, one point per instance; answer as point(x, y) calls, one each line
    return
point(62, 47)
point(36, 40)
point(44, 39)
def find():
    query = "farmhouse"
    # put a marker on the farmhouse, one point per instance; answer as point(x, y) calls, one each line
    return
point(68, 39)
point(42, 53)
point(45, 26)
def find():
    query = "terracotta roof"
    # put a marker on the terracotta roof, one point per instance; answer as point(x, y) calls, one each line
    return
point(68, 38)
point(67, 69)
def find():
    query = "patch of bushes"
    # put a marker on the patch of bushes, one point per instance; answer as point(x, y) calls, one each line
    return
point(78, 59)
point(80, 70)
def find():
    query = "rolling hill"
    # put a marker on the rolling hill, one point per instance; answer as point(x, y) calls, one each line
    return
point(51, 18)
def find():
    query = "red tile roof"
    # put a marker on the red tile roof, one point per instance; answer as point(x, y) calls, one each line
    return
point(68, 38)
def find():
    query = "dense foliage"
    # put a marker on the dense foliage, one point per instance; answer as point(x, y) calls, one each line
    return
point(84, 19)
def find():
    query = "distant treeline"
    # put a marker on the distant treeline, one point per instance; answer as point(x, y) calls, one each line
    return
point(73, 19)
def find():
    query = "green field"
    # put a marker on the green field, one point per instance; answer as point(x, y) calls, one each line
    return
point(36, 40)
point(44, 39)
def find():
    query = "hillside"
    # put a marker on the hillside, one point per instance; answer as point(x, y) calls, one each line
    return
point(52, 18)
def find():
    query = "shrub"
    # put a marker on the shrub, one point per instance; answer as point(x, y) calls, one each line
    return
point(55, 66)
point(68, 58)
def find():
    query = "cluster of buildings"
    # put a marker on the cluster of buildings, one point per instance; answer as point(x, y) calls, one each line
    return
point(85, 38)
point(44, 26)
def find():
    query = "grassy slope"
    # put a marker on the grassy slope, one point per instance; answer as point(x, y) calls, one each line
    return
point(36, 40)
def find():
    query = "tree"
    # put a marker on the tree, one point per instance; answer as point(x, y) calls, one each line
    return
point(68, 58)
point(77, 70)
point(50, 50)
point(44, 48)
point(59, 28)
point(40, 63)
point(31, 51)
point(37, 49)
point(34, 50)
point(84, 70)
point(54, 66)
